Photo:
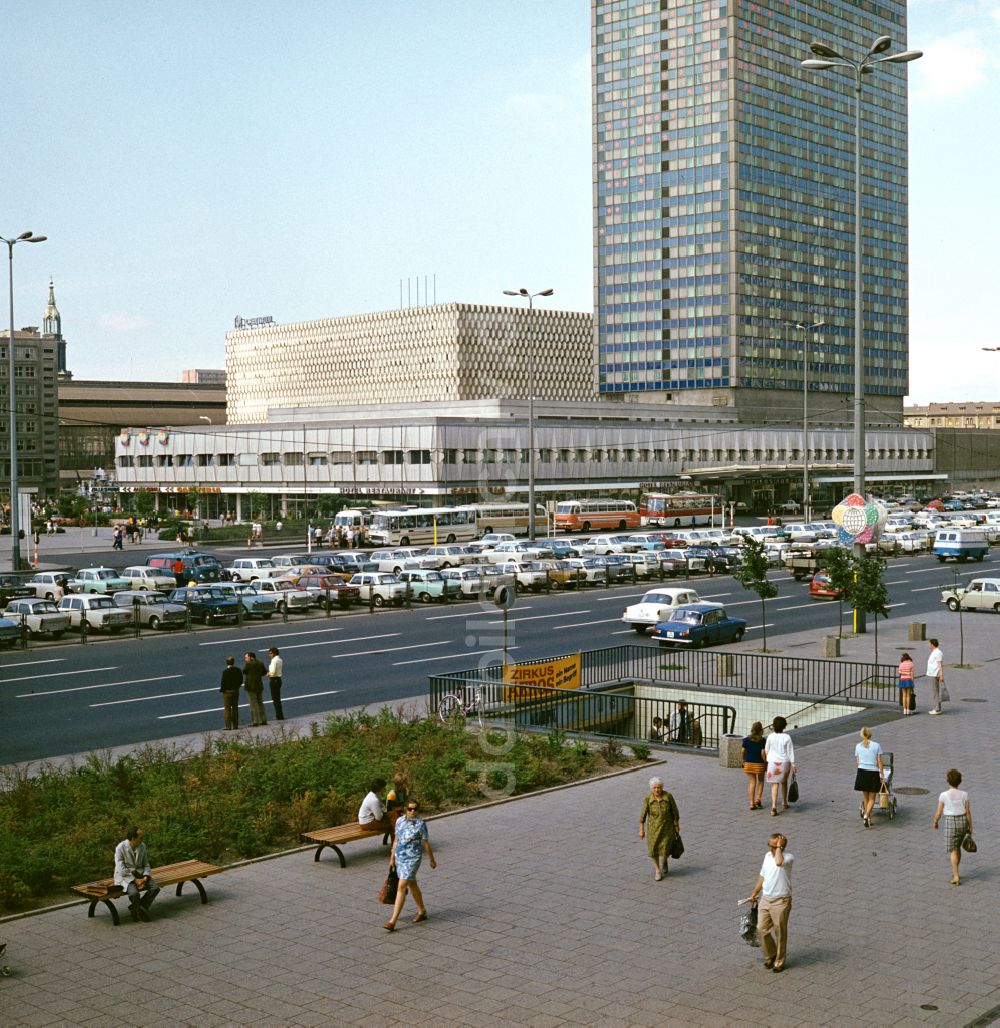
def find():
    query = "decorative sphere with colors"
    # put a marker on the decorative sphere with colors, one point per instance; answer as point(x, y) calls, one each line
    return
point(859, 520)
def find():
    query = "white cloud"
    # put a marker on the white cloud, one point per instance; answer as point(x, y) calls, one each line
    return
point(543, 110)
point(122, 321)
point(951, 66)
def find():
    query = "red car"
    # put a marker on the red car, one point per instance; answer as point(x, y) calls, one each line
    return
point(820, 587)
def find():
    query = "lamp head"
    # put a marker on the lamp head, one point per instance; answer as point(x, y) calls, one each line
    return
point(903, 58)
point(880, 45)
point(511, 292)
point(815, 65)
point(546, 292)
point(822, 50)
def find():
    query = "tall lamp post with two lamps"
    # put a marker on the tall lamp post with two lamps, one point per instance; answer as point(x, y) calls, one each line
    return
point(804, 329)
point(15, 514)
point(530, 297)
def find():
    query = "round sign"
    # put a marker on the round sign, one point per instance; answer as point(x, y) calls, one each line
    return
point(504, 596)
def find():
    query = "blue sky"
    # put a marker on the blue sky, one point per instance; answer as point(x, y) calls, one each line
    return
point(191, 162)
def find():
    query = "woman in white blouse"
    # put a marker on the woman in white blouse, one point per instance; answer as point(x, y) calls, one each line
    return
point(953, 803)
point(780, 756)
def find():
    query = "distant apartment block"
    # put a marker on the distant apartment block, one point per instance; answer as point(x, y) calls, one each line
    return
point(203, 376)
point(974, 414)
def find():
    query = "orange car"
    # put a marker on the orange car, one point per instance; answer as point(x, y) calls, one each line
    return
point(820, 587)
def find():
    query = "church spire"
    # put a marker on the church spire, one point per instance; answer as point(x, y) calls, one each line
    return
point(51, 320)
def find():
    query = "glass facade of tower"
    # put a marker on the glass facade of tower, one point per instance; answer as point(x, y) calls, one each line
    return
point(724, 198)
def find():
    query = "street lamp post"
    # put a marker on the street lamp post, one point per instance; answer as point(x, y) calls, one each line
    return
point(15, 514)
point(530, 297)
point(804, 328)
point(826, 57)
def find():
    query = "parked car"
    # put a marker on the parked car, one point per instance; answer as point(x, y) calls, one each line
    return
point(143, 577)
point(526, 574)
point(657, 605)
point(557, 549)
point(42, 617)
point(821, 588)
point(207, 603)
point(101, 613)
point(14, 587)
point(98, 580)
point(252, 569)
point(620, 567)
point(254, 604)
point(391, 562)
point(495, 538)
point(516, 549)
point(913, 541)
point(672, 562)
point(287, 594)
point(10, 632)
point(588, 570)
point(602, 545)
point(379, 587)
point(195, 566)
point(155, 610)
point(980, 594)
point(427, 586)
point(701, 624)
point(450, 556)
point(43, 585)
point(329, 588)
point(470, 579)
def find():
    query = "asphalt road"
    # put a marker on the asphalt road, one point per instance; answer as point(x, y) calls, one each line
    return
point(67, 698)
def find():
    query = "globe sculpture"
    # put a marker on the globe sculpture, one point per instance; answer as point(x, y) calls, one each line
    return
point(859, 520)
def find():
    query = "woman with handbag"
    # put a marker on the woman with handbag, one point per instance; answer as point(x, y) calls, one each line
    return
point(869, 777)
point(408, 849)
point(659, 825)
point(953, 805)
point(780, 756)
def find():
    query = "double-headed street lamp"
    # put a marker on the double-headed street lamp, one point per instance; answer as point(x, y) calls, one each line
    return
point(804, 329)
point(826, 57)
point(530, 297)
point(15, 514)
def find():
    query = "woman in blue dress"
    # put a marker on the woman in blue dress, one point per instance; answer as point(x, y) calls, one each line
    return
point(408, 849)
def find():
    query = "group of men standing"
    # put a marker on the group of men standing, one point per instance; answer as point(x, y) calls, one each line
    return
point(251, 677)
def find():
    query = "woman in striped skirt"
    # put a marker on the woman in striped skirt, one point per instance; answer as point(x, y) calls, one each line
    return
point(953, 805)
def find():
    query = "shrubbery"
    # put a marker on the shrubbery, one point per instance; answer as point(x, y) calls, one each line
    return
point(236, 799)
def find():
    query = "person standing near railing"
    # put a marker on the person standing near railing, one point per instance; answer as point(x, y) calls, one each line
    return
point(906, 672)
point(780, 755)
point(754, 765)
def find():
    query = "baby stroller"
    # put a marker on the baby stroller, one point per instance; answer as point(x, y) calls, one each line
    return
point(886, 799)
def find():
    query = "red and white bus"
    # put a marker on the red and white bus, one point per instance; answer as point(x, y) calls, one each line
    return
point(676, 510)
point(587, 515)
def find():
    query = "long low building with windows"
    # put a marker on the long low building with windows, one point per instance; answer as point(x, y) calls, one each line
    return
point(432, 454)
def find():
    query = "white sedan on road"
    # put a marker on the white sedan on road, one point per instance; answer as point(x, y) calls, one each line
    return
point(657, 605)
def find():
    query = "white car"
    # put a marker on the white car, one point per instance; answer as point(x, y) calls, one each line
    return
point(471, 580)
point(494, 539)
point(42, 617)
point(602, 545)
point(913, 541)
point(647, 563)
point(452, 556)
point(526, 574)
point(657, 605)
point(516, 550)
point(391, 562)
point(144, 578)
point(101, 612)
point(289, 596)
point(45, 582)
point(253, 569)
point(981, 594)
point(379, 588)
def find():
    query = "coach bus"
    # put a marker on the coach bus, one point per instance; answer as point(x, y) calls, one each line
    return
point(507, 517)
point(585, 515)
point(420, 525)
point(673, 510)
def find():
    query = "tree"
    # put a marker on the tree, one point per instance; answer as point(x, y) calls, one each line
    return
point(869, 593)
point(191, 498)
point(752, 575)
point(255, 502)
point(839, 565)
point(143, 504)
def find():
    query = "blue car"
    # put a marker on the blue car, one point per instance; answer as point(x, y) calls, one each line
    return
point(699, 624)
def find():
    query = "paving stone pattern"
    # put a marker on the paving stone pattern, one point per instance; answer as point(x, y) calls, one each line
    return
point(544, 911)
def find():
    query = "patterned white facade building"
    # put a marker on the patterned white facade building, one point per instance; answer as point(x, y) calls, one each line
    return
point(445, 353)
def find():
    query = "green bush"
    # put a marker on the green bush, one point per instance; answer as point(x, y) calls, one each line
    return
point(235, 799)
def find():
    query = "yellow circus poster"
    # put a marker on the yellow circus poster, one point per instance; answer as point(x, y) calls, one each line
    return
point(560, 673)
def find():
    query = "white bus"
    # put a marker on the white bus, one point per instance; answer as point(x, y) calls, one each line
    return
point(353, 517)
point(507, 517)
point(423, 525)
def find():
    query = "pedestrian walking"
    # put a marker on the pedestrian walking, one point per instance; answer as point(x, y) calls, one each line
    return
point(780, 756)
point(906, 672)
point(232, 679)
point(868, 780)
point(774, 888)
point(935, 672)
point(953, 805)
point(659, 823)
point(253, 682)
point(274, 679)
point(408, 849)
point(754, 765)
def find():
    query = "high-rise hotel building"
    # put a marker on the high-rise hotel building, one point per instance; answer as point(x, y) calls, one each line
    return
point(724, 206)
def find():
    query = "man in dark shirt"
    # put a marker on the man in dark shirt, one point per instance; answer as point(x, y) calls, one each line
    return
point(253, 682)
point(232, 679)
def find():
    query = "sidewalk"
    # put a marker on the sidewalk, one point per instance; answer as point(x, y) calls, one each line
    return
point(544, 910)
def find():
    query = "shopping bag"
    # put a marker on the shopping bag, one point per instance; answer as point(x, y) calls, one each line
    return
point(748, 926)
point(387, 894)
point(793, 791)
point(677, 847)
point(945, 695)
point(883, 798)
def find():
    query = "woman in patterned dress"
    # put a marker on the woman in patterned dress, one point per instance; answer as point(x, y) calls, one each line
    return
point(408, 849)
point(659, 822)
point(953, 804)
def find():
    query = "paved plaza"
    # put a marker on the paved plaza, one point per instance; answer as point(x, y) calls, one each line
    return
point(544, 911)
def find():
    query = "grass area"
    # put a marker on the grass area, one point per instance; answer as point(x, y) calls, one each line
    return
point(236, 799)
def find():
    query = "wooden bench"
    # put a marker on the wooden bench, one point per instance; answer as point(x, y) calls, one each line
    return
point(105, 891)
point(336, 837)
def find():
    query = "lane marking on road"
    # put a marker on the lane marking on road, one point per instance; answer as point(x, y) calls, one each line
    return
point(160, 696)
point(269, 638)
point(101, 685)
point(453, 656)
point(394, 649)
point(801, 606)
point(626, 631)
point(930, 588)
point(582, 624)
point(35, 663)
point(901, 581)
point(542, 617)
point(754, 628)
point(622, 596)
point(482, 611)
point(246, 706)
point(923, 571)
point(61, 674)
point(715, 596)
point(339, 642)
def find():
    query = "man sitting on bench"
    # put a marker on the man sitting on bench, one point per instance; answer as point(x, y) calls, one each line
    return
point(132, 873)
point(372, 816)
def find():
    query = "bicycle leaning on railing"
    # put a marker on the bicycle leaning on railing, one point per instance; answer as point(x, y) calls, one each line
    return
point(468, 702)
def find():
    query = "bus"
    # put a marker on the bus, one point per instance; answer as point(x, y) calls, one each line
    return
point(507, 517)
point(584, 515)
point(423, 525)
point(673, 510)
point(353, 517)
